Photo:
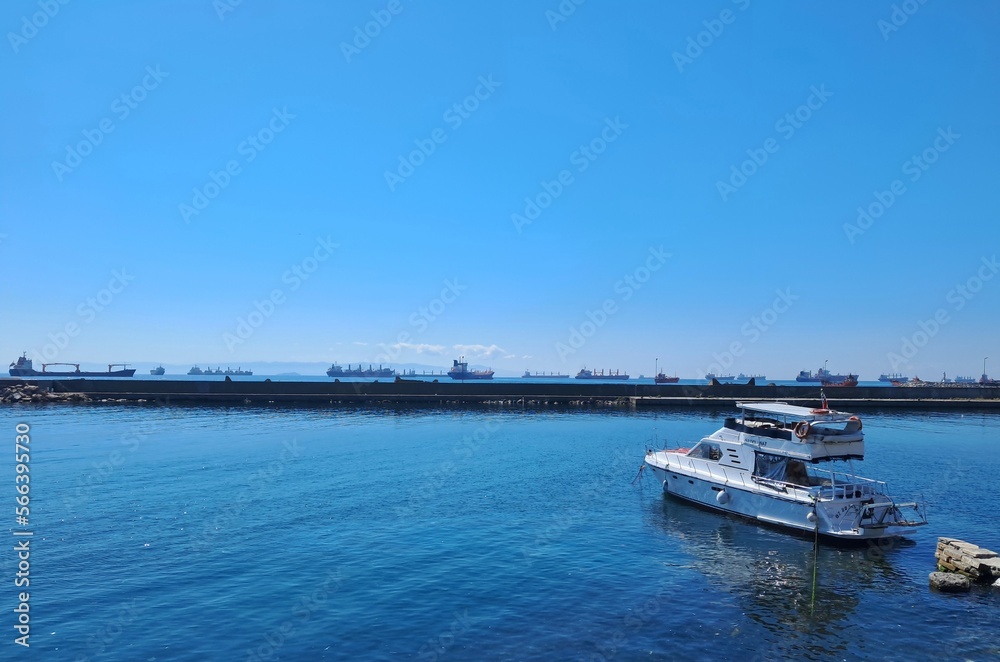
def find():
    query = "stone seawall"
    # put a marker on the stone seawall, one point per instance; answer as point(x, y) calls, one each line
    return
point(513, 393)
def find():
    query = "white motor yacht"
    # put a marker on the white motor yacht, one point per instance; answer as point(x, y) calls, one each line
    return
point(767, 464)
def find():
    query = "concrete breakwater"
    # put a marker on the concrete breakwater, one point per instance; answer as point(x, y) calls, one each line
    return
point(960, 563)
point(584, 394)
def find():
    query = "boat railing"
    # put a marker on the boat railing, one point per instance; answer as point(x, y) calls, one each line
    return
point(843, 485)
point(719, 472)
point(716, 471)
point(844, 477)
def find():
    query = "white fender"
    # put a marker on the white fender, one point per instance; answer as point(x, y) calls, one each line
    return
point(722, 497)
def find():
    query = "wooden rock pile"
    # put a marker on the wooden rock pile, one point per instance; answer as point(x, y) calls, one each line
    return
point(957, 557)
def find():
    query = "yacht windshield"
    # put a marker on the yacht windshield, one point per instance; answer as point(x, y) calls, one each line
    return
point(706, 450)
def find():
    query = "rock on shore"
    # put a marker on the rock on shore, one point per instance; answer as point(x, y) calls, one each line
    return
point(950, 582)
point(960, 563)
point(31, 393)
point(965, 558)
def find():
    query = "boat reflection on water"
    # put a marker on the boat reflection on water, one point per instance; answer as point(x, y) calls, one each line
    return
point(769, 573)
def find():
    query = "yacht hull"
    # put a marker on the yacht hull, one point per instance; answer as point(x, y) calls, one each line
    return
point(836, 519)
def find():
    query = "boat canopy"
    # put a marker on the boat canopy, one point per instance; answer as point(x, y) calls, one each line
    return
point(796, 412)
point(812, 435)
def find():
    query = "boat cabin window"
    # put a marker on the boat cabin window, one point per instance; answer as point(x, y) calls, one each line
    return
point(706, 451)
point(780, 468)
point(769, 466)
point(796, 473)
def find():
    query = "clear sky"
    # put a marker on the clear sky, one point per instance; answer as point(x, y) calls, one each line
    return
point(536, 185)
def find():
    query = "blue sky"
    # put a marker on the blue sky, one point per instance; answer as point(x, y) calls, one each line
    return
point(197, 182)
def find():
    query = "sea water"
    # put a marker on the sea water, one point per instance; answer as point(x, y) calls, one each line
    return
point(183, 533)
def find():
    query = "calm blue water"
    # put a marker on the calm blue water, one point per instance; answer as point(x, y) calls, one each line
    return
point(296, 534)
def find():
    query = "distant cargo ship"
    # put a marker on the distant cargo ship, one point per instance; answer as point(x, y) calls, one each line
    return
point(661, 378)
point(895, 378)
point(542, 375)
point(460, 370)
point(590, 374)
point(723, 378)
point(218, 371)
point(822, 375)
point(157, 371)
point(965, 380)
point(753, 377)
point(24, 368)
point(338, 371)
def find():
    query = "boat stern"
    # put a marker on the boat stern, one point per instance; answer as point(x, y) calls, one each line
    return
point(868, 516)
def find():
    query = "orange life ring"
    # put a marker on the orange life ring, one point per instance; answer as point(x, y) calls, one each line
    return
point(801, 429)
point(855, 418)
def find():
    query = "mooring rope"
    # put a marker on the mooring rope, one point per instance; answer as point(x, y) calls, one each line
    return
point(812, 600)
point(641, 467)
